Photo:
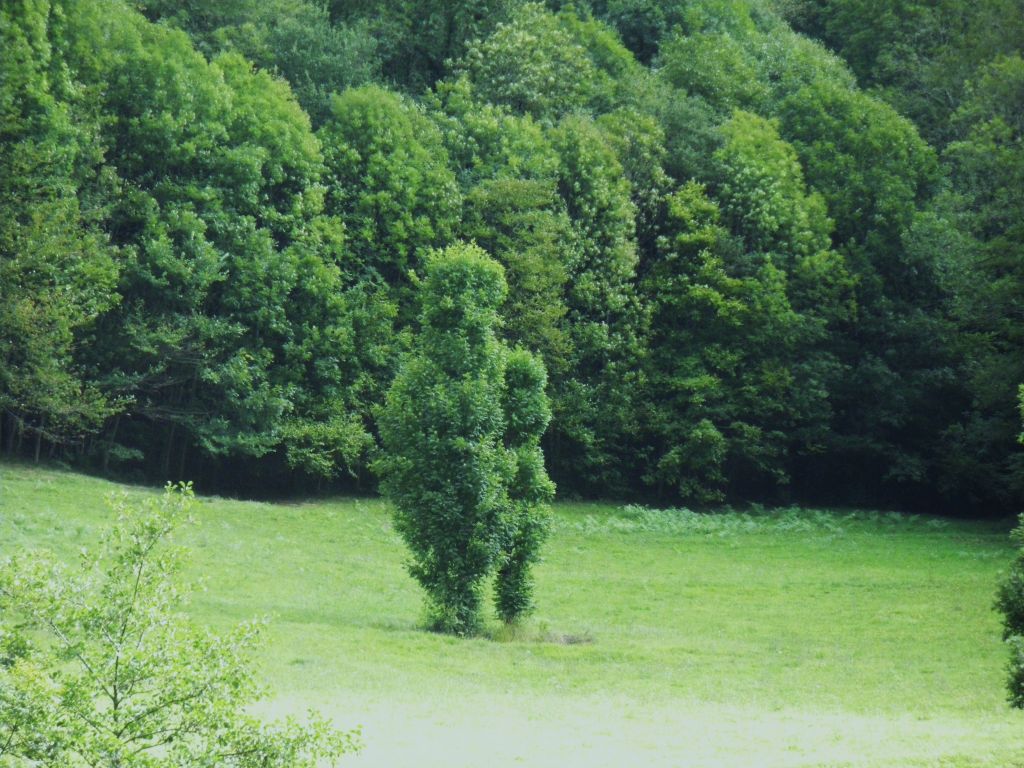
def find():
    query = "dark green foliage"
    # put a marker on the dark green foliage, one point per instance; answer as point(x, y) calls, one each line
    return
point(210, 191)
point(199, 215)
point(918, 55)
point(417, 38)
point(527, 414)
point(299, 43)
point(883, 300)
point(875, 179)
point(639, 142)
point(1010, 602)
point(868, 162)
point(987, 165)
point(1015, 672)
point(727, 392)
point(745, 274)
point(295, 39)
point(460, 460)
point(594, 409)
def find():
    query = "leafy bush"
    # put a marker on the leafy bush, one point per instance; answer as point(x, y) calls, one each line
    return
point(461, 459)
point(527, 414)
point(101, 668)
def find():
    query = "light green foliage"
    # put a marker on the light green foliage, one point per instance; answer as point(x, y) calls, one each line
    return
point(270, 128)
point(762, 191)
point(487, 141)
point(764, 199)
point(548, 65)
point(56, 271)
point(519, 222)
point(787, 61)
point(715, 66)
point(511, 208)
point(531, 64)
point(598, 201)
point(619, 80)
point(460, 459)
point(389, 182)
point(113, 674)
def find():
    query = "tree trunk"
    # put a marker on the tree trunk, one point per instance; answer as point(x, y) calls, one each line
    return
point(12, 423)
point(165, 463)
point(110, 443)
point(181, 458)
point(39, 438)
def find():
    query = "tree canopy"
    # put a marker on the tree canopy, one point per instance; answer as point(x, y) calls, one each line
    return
point(765, 249)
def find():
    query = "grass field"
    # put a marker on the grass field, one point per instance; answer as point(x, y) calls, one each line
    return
point(774, 638)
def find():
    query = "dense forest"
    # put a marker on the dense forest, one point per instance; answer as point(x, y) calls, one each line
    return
point(766, 250)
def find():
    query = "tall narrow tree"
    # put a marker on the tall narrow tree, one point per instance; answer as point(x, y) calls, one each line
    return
point(460, 459)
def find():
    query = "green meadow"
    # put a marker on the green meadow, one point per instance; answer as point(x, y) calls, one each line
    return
point(662, 638)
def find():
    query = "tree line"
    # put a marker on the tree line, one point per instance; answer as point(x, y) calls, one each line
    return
point(764, 250)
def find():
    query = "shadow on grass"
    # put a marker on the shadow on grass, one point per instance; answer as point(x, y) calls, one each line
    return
point(541, 632)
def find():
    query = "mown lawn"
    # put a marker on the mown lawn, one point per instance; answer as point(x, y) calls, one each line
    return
point(773, 638)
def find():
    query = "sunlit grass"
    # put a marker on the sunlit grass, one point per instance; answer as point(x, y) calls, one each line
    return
point(761, 638)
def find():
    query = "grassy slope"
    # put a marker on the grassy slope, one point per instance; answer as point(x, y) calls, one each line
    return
point(777, 640)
